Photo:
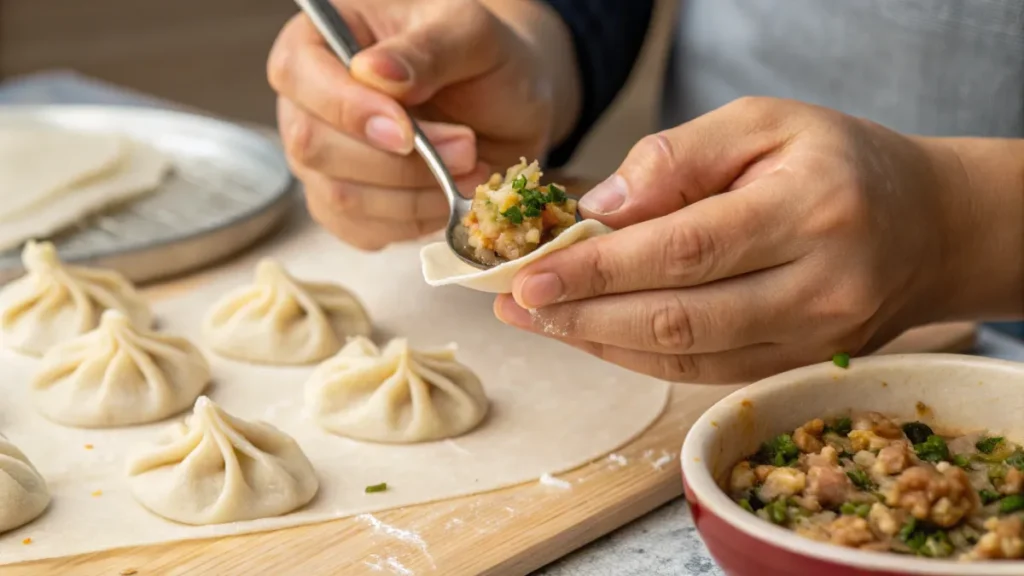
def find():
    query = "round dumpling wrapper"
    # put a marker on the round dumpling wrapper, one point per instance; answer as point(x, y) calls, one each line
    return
point(119, 375)
point(215, 468)
point(23, 492)
point(281, 320)
point(398, 395)
point(441, 267)
point(54, 302)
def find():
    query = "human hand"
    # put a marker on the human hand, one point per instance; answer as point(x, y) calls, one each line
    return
point(476, 83)
point(763, 236)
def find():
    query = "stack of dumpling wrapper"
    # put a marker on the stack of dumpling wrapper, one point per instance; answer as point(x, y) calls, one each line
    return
point(52, 178)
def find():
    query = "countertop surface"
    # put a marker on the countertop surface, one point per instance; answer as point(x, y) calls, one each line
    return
point(662, 543)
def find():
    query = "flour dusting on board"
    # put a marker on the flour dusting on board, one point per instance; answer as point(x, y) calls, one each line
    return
point(407, 536)
point(549, 480)
point(618, 459)
point(391, 564)
point(661, 461)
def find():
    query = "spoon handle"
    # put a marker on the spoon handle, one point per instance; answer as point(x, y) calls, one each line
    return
point(343, 42)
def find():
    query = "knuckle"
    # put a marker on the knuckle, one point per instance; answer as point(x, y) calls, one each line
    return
point(671, 327)
point(601, 277)
point(688, 253)
point(298, 138)
point(657, 152)
point(279, 66)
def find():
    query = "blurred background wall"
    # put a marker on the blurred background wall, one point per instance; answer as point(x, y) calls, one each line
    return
point(211, 54)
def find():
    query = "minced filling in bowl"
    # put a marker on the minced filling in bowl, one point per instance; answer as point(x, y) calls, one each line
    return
point(876, 483)
point(515, 215)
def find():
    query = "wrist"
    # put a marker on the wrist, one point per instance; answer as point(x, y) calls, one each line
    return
point(981, 195)
point(550, 41)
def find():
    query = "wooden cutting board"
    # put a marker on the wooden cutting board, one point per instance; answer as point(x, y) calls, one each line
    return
point(505, 532)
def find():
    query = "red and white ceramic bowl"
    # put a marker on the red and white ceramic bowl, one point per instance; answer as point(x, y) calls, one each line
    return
point(963, 392)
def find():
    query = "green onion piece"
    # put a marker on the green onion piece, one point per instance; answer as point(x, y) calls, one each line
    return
point(861, 479)
point(841, 359)
point(779, 451)
point(1016, 460)
point(556, 194)
point(513, 215)
point(917, 432)
point(937, 545)
point(519, 183)
point(777, 512)
point(863, 510)
point(908, 529)
point(1012, 503)
point(988, 444)
point(842, 427)
point(848, 509)
point(989, 496)
point(377, 488)
point(745, 504)
point(962, 461)
point(933, 449)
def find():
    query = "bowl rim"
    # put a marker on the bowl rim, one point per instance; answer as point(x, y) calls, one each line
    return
point(698, 476)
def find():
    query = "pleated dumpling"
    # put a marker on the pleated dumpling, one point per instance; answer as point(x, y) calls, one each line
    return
point(397, 395)
point(119, 375)
point(23, 492)
point(216, 468)
point(281, 320)
point(54, 303)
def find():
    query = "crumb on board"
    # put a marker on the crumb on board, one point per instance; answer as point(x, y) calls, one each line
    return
point(26, 541)
point(549, 480)
point(88, 446)
point(128, 572)
point(97, 493)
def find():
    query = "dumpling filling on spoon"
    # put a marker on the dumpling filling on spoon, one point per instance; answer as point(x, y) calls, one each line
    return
point(512, 217)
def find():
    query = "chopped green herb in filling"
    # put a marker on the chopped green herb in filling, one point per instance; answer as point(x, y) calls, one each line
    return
point(988, 444)
point(779, 451)
point(933, 449)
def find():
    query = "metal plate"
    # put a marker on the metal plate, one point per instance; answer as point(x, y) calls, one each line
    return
point(229, 186)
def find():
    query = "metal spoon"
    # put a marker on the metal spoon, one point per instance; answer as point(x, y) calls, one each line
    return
point(343, 42)
point(340, 38)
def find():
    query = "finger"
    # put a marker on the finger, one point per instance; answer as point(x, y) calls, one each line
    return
point(751, 309)
point(302, 69)
point(362, 231)
point(447, 48)
point(749, 229)
point(312, 143)
point(395, 204)
point(666, 171)
point(728, 367)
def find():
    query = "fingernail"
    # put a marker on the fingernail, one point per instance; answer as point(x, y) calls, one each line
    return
point(511, 313)
point(386, 134)
point(606, 197)
point(541, 290)
point(392, 68)
point(458, 154)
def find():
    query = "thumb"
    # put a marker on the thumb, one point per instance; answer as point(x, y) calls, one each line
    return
point(667, 171)
point(415, 64)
